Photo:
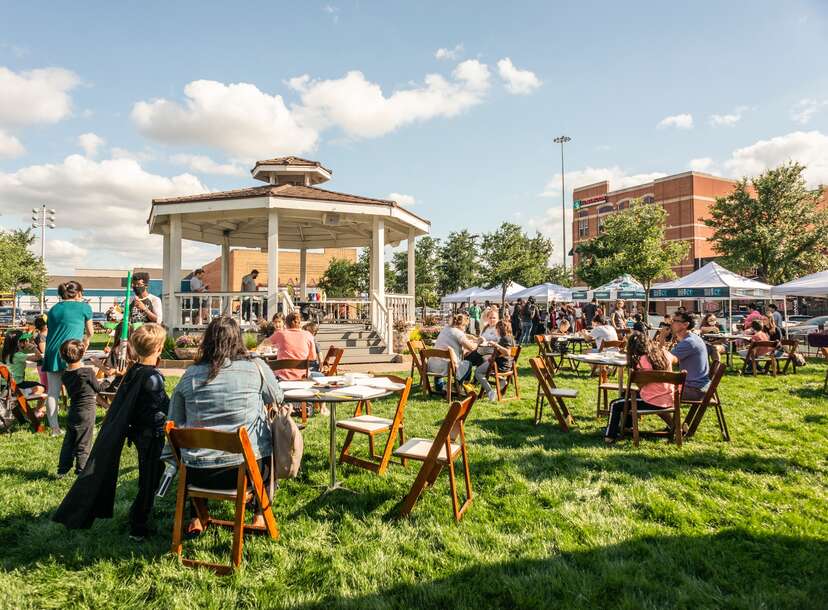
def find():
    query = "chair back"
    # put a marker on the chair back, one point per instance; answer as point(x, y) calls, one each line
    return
point(641, 378)
point(543, 345)
point(454, 423)
point(207, 438)
point(445, 354)
point(415, 348)
point(770, 346)
point(717, 371)
point(283, 364)
point(330, 362)
point(789, 345)
point(608, 344)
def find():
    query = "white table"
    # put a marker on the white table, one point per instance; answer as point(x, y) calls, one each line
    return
point(614, 359)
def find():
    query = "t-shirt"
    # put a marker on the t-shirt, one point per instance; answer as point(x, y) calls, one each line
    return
point(449, 338)
point(293, 344)
point(249, 284)
point(692, 355)
point(761, 335)
point(589, 312)
point(153, 303)
point(504, 363)
point(619, 319)
point(17, 367)
point(474, 312)
point(196, 285)
point(753, 315)
point(81, 386)
point(66, 320)
point(656, 394)
point(777, 318)
point(603, 333)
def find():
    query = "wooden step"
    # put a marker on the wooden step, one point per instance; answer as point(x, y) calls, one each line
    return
point(347, 343)
point(367, 358)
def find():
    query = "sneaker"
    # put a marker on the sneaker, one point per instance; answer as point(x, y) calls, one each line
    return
point(61, 475)
point(58, 432)
point(492, 395)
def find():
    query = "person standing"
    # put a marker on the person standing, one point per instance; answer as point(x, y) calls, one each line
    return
point(145, 307)
point(474, 318)
point(249, 284)
point(590, 309)
point(71, 318)
point(197, 285)
point(619, 317)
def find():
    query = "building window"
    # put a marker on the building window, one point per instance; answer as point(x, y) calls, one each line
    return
point(602, 211)
point(624, 204)
point(583, 224)
point(649, 199)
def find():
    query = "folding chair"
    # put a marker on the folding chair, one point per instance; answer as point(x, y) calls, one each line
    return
point(371, 426)
point(711, 398)
point(445, 354)
point(510, 375)
point(330, 362)
point(415, 347)
point(249, 486)
point(790, 347)
point(752, 359)
point(820, 341)
point(545, 350)
point(280, 365)
point(604, 388)
point(639, 378)
point(553, 394)
point(441, 452)
point(18, 402)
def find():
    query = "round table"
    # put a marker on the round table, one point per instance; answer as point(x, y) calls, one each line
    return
point(616, 359)
point(331, 397)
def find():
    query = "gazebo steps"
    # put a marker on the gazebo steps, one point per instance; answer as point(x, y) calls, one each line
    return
point(348, 358)
point(361, 346)
point(325, 342)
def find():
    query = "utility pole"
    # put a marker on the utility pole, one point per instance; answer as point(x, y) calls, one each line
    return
point(563, 140)
point(43, 218)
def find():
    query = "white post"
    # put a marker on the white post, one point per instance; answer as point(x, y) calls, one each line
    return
point(303, 274)
point(411, 263)
point(379, 258)
point(175, 270)
point(166, 278)
point(225, 265)
point(272, 261)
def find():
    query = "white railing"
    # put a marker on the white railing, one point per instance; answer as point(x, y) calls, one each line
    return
point(196, 309)
point(344, 310)
point(401, 307)
point(286, 301)
point(383, 323)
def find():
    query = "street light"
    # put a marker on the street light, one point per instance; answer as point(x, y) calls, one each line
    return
point(43, 218)
point(563, 140)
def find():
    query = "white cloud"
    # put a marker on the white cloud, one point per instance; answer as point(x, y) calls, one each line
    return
point(332, 11)
point(804, 110)
point(237, 118)
point(518, 82)
point(36, 96)
point(402, 199)
point(454, 53)
point(61, 255)
point(550, 222)
point(703, 164)
point(810, 148)
point(205, 165)
point(361, 109)
point(90, 143)
point(679, 121)
point(104, 204)
point(728, 120)
point(122, 153)
point(10, 147)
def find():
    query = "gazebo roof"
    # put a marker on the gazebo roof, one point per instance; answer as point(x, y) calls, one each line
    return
point(297, 161)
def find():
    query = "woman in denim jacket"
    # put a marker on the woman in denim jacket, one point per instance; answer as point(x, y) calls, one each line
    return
point(224, 389)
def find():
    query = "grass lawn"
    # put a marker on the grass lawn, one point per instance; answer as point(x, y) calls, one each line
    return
point(558, 519)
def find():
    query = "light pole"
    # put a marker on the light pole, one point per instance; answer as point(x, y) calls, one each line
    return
point(563, 140)
point(43, 218)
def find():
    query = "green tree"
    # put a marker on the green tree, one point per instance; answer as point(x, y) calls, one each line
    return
point(19, 268)
point(771, 226)
point(632, 242)
point(458, 265)
point(340, 279)
point(559, 275)
point(508, 255)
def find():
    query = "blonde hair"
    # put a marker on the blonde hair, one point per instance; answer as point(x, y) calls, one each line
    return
point(147, 339)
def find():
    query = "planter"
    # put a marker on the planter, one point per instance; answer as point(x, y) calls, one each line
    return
point(186, 353)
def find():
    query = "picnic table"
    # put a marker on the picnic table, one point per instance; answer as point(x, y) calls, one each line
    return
point(612, 359)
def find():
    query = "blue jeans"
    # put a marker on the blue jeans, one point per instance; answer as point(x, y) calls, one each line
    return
point(525, 332)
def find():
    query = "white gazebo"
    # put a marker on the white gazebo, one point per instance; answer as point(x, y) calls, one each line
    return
point(289, 212)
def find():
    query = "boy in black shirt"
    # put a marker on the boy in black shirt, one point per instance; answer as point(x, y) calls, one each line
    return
point(82, 388)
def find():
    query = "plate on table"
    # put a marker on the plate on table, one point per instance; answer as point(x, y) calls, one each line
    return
point(295, 385)
point(299, 394)
point(332, 381)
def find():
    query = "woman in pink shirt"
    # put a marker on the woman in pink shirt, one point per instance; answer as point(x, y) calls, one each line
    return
point(293, 343)
point(646, 355)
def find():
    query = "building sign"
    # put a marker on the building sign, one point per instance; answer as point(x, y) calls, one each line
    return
point(690, 293)
point(576, 204)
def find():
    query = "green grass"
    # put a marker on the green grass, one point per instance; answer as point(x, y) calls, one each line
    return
point(558, 520)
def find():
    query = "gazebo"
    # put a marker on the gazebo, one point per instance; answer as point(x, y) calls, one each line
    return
point(289, 211)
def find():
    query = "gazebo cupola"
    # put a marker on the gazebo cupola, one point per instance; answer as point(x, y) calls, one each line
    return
point(290, 170)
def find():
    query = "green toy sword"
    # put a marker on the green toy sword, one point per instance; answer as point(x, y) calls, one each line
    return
point(122, 356)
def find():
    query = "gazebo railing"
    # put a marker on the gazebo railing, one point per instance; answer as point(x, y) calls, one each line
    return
point(382, 321)
point(196, 309)
point(401, 307)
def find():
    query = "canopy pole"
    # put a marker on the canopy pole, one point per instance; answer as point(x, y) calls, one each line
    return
point(785, 309)
point(729, 313)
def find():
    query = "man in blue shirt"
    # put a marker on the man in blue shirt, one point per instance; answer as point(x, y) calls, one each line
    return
point(691, 352)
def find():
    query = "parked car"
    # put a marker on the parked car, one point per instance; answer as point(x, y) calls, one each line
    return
point(803, 329)
point(6, 315)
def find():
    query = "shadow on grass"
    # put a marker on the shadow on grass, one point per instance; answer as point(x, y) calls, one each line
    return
point(29, 475)
point(815, 419)
point(809, 392)
point(732, 568)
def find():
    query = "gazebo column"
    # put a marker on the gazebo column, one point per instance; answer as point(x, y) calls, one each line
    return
point(166, 293)
point(225, 274)
point(173, 271)
point(272, 261)
point(303, 274)
point(378, 258)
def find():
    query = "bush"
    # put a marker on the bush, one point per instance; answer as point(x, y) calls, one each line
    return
point(251, 340)
point(188, 341)
point(428, 334)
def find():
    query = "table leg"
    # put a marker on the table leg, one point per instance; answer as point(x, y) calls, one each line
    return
point(332, 411)
point(621, 381)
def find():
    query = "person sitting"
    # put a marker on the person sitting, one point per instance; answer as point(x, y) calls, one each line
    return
point(313, 329)
point(710, 325)
point(601, 331)
point(453, 338)
point(758, 334)
point(691, 352)
point(16, 346)
point(646, 355)
point(224, 389)
point(293, 343)
point(753, 314)
point(501, 358)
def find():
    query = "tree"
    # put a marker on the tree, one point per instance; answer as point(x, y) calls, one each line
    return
point(19, 268)
point(508, 255)
point(559, 275)
point(633, 242)
point(459, 263)
point(340, 279)
point(771, 226)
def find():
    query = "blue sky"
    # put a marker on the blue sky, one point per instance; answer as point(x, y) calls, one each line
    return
point(746, 89)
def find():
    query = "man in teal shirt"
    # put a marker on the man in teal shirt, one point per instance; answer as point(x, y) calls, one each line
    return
point(474, 317)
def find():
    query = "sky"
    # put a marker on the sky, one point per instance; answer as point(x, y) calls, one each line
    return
point(448, 108)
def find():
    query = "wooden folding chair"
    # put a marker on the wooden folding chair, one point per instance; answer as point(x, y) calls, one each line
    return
point(510, 375)
point(249, 486)
point(639, 378)
point(552, 394)
point(697, 408)
point(604, 387)
point(441, 452)
point(752, 359)
point(415, 347)
point(280, 365)
point(545, 350)
point(371, 426)
point(18, 401)
point(790, 347)
point(445, 354)
point(330, 363)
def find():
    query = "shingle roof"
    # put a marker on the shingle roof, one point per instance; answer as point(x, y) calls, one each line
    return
point(298, 161)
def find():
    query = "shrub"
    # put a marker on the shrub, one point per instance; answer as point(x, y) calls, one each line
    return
point(251, 341)
point(188, 341)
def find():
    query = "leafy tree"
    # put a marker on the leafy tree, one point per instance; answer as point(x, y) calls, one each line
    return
point(632, 242)
point(771, 226)
point(559, 275)
point(458, 264)
point(19, 267)
point(508, 255)
point(340, 279)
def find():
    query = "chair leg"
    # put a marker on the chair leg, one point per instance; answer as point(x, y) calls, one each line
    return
point(346, 446)
point(497, 388)
point(371, 451)
point(677, 427)
point(515, 380)
point(303, 409)
point(453, 490)
point(238, 521)
point(635, 422)
point(178, 521)
point(420, 483)
point(722, 423)
point(403, 460)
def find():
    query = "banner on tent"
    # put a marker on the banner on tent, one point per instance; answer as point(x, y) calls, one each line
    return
point(689, 293)
point(632, 295)
point(580, 295)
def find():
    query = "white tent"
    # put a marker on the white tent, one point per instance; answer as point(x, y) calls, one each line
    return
point(814, 285)
point(495, 294)
point(464, 296)
point(545, 293)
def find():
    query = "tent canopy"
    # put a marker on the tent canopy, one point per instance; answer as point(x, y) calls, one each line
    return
point(545, 293)
point(623, 287)
point(494, 294)
point(463, 296)
point(712, 282)
point(814, 285)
